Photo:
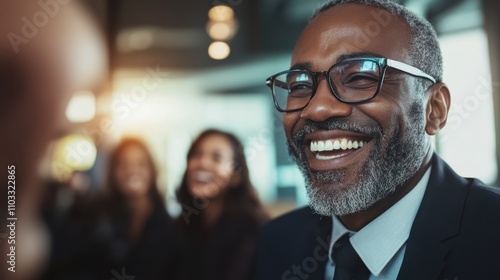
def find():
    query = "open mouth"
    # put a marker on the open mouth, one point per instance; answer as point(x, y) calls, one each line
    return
point(202, 177)
point(335, 148)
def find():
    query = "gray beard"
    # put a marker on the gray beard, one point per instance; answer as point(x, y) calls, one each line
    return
point(385, 170)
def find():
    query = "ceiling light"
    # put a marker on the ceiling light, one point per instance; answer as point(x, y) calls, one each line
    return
point(220, 30)
point(221, 13)
point(219, 50)
point(81, 107)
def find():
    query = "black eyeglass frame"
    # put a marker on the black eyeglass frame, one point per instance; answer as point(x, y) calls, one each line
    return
point(382, 62)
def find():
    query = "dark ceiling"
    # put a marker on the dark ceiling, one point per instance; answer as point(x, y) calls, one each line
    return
point(266, 28)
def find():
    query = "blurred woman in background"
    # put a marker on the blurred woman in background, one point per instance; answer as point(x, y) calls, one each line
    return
point(144, 240)
point(221, 212)
point(125, 233)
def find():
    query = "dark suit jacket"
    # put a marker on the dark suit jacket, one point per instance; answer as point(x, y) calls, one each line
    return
point(455, 236)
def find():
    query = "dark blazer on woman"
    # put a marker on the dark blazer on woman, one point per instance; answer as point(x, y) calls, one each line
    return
point(91, 246)
point(226, 252)
point(156, 255)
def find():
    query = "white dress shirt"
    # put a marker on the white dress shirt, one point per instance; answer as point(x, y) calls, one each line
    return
point(381, 244)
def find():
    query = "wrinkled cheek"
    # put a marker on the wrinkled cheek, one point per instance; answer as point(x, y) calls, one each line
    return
point(290, 124)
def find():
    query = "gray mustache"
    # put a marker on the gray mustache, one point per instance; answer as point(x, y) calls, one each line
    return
point(336, 124)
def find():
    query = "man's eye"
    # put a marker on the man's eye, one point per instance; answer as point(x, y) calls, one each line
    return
point(361, 80)
point(300, 88)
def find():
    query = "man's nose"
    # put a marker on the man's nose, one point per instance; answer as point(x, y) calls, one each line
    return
point(325, 105)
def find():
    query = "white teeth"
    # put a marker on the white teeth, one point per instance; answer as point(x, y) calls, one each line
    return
point(321, 146)
point(336, 145)
point(355, 144)
point(203, 176)
point(320, 157)
point(343, 144)
point(331, 145)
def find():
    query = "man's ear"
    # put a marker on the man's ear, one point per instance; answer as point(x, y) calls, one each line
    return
point(438, 106)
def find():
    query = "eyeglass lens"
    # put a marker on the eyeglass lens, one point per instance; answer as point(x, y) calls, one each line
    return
point(352, 80)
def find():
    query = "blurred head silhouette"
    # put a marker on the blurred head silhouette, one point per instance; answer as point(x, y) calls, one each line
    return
point(43, 59)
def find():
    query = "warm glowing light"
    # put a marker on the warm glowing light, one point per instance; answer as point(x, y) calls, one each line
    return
point(72, 153)
point(219, 31)
point(222, 31)
point(219, 50)
point(221, 13)
point(141, 39)
point(81, 107)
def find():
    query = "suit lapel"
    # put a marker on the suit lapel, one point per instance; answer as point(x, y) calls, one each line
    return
point(437, 222)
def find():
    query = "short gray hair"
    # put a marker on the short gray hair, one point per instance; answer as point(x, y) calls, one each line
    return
point(424, 49)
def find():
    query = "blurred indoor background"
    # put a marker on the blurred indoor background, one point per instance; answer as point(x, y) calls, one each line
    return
point(178, 67)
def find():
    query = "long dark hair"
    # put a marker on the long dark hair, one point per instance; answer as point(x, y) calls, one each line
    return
point(115, 200)
point(240, 198)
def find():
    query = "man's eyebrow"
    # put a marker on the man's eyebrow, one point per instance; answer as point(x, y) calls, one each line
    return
point(309, 65)
point(302, 66)
point(357, 55)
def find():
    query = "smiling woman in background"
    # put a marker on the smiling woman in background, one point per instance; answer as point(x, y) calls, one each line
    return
point(126, 232)
point(221, 210)
point(143, 235)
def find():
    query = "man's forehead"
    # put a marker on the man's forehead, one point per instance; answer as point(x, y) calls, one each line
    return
point(357, 13)
point(346, 55)
point(352, 28)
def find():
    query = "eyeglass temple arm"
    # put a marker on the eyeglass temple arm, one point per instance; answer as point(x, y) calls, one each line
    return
point(409, 69)
point(277, 83)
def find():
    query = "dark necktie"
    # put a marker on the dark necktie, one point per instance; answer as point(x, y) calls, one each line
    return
point(348, 265)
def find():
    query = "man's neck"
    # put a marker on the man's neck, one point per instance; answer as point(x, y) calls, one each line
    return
point(357, 221)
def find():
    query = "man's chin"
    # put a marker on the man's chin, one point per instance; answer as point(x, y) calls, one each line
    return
point(333, 193)
point(327, 179)
point(327, 200)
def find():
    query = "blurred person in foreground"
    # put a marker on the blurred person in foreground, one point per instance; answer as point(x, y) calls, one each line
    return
point(41, 65)
point(221, 211)
point(360, 103)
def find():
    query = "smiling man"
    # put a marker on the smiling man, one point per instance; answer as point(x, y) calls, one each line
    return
point(360, 102)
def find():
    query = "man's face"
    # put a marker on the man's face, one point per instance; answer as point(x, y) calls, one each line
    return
point(385, 136)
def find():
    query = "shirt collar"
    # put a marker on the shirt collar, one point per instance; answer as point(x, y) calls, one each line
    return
point(378, 242)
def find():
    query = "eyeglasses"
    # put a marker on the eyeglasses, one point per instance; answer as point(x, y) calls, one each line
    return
point(351, 81)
